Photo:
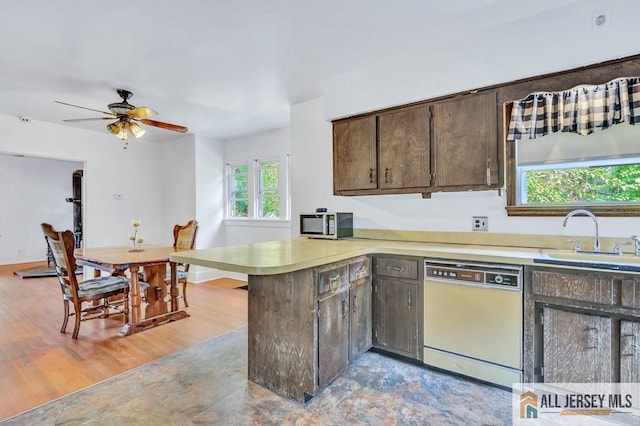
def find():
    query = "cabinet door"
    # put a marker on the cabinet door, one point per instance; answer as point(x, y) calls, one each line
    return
point(354, 154)
point(576, 347)
point(333, 336)
point(629, 352)
point(360, 332)
point(404, 148)
point(395, 316)
point(465, 146)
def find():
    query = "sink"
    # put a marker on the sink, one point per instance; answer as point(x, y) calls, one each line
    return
point(625, 262)
point(592, 257)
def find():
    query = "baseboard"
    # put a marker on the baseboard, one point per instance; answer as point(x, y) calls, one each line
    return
point(208, 274)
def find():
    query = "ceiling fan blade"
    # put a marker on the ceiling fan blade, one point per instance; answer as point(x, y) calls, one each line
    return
point(88, 119)
point(90, 109)
point(166, 126)
point(141, 112)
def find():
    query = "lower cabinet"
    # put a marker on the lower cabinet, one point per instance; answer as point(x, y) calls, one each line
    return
point(360, 323)
point(576, 347)
point(333, 336)
point(344, 317)
point(629, 351)
point(581, 326)
point(397, 308)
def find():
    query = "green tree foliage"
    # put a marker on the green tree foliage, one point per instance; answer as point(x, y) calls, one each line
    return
point(269, 190)
point(240, 191)
point(604, 184)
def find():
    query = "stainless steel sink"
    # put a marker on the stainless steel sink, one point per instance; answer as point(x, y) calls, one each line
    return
point(591, 257)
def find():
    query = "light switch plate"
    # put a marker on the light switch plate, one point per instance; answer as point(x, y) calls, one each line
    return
point(480, 223)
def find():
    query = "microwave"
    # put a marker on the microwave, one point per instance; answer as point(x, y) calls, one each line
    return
point(326, 225)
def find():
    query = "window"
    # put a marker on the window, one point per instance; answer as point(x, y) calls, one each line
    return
point(268, 189)
point(260, 191)
point(238, 190)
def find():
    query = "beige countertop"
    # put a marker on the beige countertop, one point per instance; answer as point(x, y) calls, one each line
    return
point(276, 257)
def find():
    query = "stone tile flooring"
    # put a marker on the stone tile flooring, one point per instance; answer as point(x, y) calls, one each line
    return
point(207, 384)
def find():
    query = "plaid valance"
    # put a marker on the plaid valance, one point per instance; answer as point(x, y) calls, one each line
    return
point(582, 110)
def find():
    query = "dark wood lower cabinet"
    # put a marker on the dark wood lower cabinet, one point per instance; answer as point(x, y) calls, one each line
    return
point(360, 334)
point(333, 336)
point(306, 326)
point(629, 351)
point(397, 305)
point(576, 347)
point(396, 316)
point(581, 326)
point(344, 321)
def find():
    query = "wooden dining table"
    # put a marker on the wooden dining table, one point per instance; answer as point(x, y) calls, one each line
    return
point(154, 259)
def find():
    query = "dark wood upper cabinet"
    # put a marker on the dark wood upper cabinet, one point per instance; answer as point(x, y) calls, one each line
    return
point(404, 148)
point(448, 145)
point(354, 154)
point(464, 143)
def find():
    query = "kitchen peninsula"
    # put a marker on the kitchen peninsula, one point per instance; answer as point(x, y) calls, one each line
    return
point(293, 349)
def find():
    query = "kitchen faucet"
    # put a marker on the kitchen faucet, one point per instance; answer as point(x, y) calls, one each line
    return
point(596, 241)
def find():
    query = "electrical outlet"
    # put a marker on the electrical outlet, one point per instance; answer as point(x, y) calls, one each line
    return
point(600, 19)
point(480, 223)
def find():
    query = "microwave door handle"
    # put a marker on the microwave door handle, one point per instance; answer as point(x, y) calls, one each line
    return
point(325, 225)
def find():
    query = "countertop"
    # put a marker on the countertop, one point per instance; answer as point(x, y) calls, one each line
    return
point(277, 257)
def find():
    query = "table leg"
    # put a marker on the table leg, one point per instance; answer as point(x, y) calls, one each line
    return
point(157, 291)
point(135, 295)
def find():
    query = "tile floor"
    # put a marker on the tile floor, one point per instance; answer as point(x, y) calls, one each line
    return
point(207, 384)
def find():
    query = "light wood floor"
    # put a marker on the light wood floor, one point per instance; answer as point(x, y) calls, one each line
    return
point(39, 364)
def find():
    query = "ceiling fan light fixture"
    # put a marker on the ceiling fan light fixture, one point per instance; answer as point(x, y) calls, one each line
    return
point(114, 128)
point(123, 134)
point(136, 130)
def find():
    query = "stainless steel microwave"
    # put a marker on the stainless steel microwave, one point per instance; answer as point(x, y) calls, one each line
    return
point(326, 225)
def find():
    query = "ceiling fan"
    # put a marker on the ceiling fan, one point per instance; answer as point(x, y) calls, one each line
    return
point(127, 117)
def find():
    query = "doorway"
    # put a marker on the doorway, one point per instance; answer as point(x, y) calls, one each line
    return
point(76, 199)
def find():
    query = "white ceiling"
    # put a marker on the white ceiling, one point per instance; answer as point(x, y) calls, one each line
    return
point(223, 68)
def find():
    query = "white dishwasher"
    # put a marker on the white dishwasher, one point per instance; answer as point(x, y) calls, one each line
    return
point(473, 319)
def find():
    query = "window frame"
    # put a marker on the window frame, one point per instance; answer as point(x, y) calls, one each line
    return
point(229, 198)
point(259, 197)
point(253, 188)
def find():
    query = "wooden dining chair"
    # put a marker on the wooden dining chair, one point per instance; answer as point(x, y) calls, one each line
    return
point(100, 289)
point(184, 238)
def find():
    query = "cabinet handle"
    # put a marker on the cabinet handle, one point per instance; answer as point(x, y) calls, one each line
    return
point(409, 299)
point(332, 282)
point(596, 337)
point(387, 174)
point(355, 304)
point(488, 172)
point(398, 269)
point(344, 308)
point(372, 176)
point(634, 345)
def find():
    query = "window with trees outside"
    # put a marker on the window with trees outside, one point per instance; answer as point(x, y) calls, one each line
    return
point(238, 190)
point(563, 171)
point(268, 185)
point(258, 190)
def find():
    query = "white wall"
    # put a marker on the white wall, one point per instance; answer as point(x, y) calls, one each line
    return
point(270, 145)
point(134, 173)
point(32, 190)
point(557, 40)
point(514, 51)
point(209, 189)
point(311, 156)
point(178, 183)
